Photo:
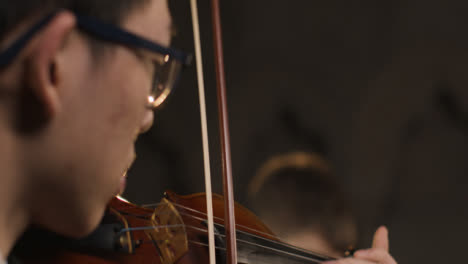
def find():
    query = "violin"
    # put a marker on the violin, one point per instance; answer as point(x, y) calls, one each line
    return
point(173, 231)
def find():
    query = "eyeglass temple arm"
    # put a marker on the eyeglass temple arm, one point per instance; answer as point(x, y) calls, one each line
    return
point(7, 56)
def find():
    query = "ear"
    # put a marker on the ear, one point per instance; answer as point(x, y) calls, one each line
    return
point(42, 77)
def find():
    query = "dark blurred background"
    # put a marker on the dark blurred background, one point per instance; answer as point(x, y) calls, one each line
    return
point(377, 87)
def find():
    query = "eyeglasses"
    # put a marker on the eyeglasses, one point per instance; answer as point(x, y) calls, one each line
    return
point(166, 71)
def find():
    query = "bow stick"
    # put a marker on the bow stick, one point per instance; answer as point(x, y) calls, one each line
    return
point(231, 247)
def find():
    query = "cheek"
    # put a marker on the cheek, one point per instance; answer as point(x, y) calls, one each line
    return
point(118, 112)
point(128, 91)
point(130, 97)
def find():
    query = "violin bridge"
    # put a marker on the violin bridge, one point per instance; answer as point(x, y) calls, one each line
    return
point(169, 233)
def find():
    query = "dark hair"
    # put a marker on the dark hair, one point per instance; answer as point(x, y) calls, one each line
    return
point(293, 199)
point(13, 12)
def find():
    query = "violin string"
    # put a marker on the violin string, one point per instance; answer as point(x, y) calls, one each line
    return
point(277, 250)
point(240, 231)
point(205, 245)
point(154, 205)
point(281, 252)
point(143, 228)
point(224, 249)
point(203, 213)
point(202, 219)
point(222, 220)
point(237, 225)
point(190, 241)
point(266, 247)
point(263, 238)
point(238, 240)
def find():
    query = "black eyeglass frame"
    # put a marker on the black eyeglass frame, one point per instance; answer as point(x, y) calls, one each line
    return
point(104, 31)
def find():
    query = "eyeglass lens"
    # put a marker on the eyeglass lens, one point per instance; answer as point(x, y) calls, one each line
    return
point(164, 80)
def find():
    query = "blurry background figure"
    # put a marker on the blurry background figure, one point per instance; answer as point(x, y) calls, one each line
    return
point(296, 195)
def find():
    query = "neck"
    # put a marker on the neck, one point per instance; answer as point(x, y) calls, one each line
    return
point(13, 213)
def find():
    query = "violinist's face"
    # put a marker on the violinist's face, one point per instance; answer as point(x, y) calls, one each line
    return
point(90, 142)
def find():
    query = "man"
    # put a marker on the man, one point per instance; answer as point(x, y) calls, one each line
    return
point(311, 211)
point(78, 81)
point(75, 92)
point(296, 196)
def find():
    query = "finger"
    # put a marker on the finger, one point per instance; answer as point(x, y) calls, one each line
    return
point(375, 255)
point(381, 239)
point(349, 261)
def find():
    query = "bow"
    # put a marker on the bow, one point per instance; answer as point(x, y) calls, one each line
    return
point(230, 224)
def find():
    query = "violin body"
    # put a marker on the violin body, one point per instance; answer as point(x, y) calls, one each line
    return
point(175, 231)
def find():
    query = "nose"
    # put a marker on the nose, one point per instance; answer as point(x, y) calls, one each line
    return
point(147, 121)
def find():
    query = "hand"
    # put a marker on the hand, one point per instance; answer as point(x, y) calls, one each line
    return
point(378, 254)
